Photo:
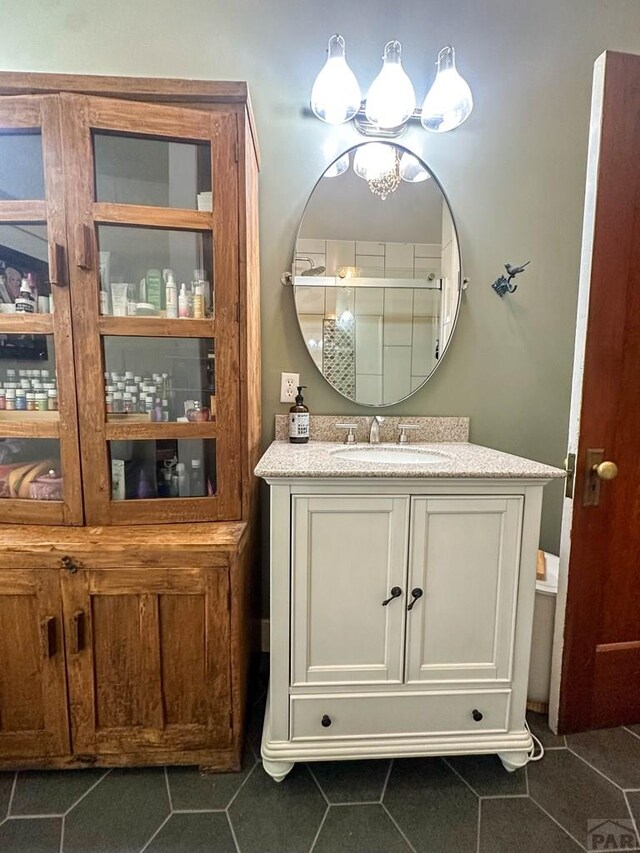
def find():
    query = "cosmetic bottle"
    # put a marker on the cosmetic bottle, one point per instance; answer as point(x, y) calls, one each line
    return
point(299, 420)
point(171, 297)
point(183, 301)
point(197, 478)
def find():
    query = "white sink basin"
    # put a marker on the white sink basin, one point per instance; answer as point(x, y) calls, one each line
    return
point(390, 455)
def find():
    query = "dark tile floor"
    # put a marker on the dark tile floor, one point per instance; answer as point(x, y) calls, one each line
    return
point(467, 804)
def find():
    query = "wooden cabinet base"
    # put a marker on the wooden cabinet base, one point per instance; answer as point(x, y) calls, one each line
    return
point(130, 646)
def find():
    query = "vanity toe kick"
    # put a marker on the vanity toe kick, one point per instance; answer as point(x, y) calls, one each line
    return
point(386, 715)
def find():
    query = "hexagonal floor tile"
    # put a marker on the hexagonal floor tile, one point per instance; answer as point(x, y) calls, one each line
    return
point(359, 829)
point(487, 776)
point(34, 836)
point(519, 824)
point(573, 793)
point(49, 792)
point(351, 781)
point(207, 832)
point(433, 807)
point(615, 752)
point(6, 786)
point(539, 725)
point(271, 817)
point(192, 790)
point(120, 814)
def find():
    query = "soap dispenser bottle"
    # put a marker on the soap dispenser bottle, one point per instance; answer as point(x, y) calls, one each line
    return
point(299, 420)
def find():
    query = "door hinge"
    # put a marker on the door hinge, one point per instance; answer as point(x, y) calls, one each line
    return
point(570, 468)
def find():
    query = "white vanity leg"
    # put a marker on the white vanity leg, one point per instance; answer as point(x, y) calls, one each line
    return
point(277, 769)
point(513, 760)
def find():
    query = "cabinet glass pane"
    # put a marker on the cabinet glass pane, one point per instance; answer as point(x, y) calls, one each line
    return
point(163, 468)
point(21, 165)
point(159, 379)
point(30, 469)
point(24, 256)
point(28, 381)
point(136, 265)
point(151, 171)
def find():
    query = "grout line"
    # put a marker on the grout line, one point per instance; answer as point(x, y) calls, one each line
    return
point(62, 833)
point(149, 840)
point(633, 820)
point(355, 803)
point(386, 780)
point(479, 821)
point(242, 784)
point(166, 782)
point(461, 778)
point(13, 791)
point(34, 816)
point(198, 811)
point(319, 786)
point(604, 775)
point(317, 835)
point(551, 817)
point(397, 826)
point(88, 791)
point(233, 832)
point(630, 732)
point(503, 796)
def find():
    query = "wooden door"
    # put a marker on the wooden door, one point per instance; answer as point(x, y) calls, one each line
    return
point(153, 190)
point(600, 680)
point(33, 697)
point(148, 660)
point(349, 558)
point(36, 349)
point(463, 574)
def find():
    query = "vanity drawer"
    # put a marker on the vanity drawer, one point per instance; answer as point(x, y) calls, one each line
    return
point(382, 714)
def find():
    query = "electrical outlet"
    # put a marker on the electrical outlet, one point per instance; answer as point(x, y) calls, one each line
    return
point(289, 387)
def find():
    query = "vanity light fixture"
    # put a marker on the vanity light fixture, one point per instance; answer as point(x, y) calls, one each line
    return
point(391, 101)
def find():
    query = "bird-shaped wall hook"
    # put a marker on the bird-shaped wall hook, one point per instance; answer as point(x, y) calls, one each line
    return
point(503, 284)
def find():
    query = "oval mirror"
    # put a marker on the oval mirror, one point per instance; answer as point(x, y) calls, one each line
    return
point(376, 274)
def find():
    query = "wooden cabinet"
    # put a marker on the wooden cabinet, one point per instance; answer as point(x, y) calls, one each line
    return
point(130, 403)
point(406, 612)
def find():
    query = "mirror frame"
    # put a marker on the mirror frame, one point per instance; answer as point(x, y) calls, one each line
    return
point(292, 277)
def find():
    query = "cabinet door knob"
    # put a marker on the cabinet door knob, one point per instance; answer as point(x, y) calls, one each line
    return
point(326, 721)
point(416, 593)
point(68, 564)
point(477, 715)
point(396, 592)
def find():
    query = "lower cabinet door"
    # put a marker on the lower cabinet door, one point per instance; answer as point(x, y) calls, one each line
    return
point(464, 567)
point(33, 696)
point(348, 588)
point(387, 715)
point(148, 660)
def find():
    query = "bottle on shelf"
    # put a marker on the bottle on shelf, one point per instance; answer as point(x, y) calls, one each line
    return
point(197, 479)
point(180, 481)
point(25, 303)
point(183, 301)
point(171, 297)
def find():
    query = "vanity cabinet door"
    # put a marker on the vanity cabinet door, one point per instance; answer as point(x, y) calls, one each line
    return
point(465, 557)
point(349, 553)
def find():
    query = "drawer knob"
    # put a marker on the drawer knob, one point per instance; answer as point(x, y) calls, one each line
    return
point(477, 715)
point(326, 721)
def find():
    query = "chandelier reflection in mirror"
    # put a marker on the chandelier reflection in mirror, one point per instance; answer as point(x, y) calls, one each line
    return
point(391, 101)
point(382, 166)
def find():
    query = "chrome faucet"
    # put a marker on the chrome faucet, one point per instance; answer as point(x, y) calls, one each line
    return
point(374, 429)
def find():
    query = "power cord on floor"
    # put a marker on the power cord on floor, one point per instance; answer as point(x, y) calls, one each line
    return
point(532, 755)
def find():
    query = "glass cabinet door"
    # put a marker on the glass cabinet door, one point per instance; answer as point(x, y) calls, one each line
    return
point(153, 229)
point(39, 456)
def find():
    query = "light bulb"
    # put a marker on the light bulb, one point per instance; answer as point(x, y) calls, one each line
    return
point(373, 160)
point(335, 96)
point(338, 167)
point(449, 101)
point(412, 170)
point(391, 99)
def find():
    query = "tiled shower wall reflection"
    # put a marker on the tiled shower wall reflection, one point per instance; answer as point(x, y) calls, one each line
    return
point(372, 260)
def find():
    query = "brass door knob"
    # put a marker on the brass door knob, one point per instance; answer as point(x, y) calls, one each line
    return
point(606, 470)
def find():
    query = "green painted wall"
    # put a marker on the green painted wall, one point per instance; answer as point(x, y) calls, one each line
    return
point(514, 172)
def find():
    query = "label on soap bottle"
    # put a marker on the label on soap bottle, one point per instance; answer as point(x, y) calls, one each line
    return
point(299, 425)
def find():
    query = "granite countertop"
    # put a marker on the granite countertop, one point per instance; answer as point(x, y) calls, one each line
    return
point(461, 460)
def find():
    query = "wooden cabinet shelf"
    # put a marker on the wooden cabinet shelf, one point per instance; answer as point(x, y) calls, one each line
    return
point(155, 327)
point(124, 429)
point(30, 424)
point(26, 324)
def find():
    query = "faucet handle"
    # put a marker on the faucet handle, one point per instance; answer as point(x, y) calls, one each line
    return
point(350, 437)
point(402, 437)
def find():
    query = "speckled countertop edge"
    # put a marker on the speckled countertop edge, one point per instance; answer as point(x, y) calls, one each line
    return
point(425, 428)
point(461, 460)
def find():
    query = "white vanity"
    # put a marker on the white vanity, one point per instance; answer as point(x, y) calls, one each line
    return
point(402, 598)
